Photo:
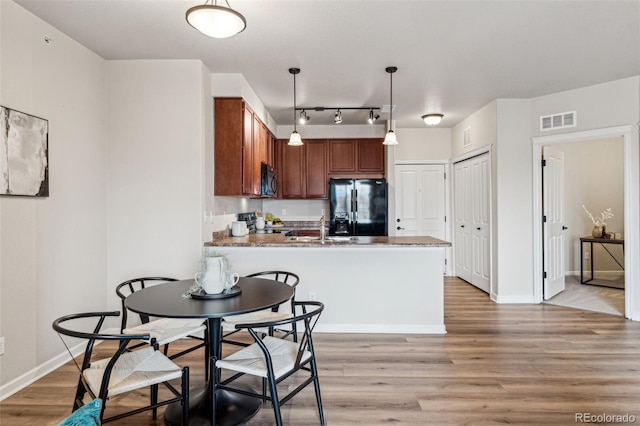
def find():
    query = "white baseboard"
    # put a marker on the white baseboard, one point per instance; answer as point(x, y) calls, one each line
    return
point(40, 371)
point(519, 298)
point(381, 328)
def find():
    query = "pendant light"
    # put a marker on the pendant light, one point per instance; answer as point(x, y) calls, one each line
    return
point(390, 137)
point(216, 21)
point(295, 139)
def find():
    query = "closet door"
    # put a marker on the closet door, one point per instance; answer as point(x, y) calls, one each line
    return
point(462, 213)
point(480, 221)
point(472, 197)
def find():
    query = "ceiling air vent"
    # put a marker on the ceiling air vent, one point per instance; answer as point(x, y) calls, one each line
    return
point(558, 121)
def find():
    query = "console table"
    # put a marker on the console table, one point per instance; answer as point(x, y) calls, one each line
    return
point(603, 242)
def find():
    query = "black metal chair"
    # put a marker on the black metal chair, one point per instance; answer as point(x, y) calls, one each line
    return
point(275, 359)
point(269, 314)
point(125, 370)
point(164, 330)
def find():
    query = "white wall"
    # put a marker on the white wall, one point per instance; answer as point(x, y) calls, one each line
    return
point(53, 250)
point(156, 176)
point(513, 200)
point(594, 177)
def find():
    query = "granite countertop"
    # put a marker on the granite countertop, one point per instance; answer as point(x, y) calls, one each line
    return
point(280, 240)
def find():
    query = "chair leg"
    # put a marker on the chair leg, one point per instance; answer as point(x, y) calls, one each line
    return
point(264, 390)
point(166, 349)
point(275, 402)
point(316, 385)
point(185, 396)
point(206, 353)
point(154, 400)
point(80, 392)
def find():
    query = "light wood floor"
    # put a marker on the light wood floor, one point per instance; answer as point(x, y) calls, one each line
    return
point(498, 364)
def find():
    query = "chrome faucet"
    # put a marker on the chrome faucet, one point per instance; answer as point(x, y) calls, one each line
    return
point(322, 229)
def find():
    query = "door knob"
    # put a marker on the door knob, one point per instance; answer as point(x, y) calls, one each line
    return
point(564, 227)
point(399, 228)
point(478, 228)
point(398, 220)
point(461, 226)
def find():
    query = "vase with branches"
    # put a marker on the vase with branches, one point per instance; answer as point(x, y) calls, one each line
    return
point(599, 222)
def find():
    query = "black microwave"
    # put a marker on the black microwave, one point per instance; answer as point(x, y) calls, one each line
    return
point(268, 182)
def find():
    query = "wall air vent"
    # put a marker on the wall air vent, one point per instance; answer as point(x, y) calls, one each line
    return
point(558, 121)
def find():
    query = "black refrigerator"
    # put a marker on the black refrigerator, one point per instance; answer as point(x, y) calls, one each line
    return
point(358, 207)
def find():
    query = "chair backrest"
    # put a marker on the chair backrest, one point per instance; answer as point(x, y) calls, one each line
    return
point(306, 312)
point(78, 330)
point(131, 286)
point(283, 276)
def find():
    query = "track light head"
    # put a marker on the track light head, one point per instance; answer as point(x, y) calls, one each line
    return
point(303, 117)
point(337, 117)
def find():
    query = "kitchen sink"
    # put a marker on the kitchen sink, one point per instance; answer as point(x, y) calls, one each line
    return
point(302, 238)
point(310, 239)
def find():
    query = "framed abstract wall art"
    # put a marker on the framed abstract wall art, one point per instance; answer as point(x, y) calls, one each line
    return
point(24, 154)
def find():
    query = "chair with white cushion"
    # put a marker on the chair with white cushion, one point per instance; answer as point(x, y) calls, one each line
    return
point(268, 314)
point(125, 370)
point(164, 330)
point(275, 359)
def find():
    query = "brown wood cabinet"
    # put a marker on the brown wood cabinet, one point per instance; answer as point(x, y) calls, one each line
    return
point(242, 143)
point(356, 156)
point(303, 170)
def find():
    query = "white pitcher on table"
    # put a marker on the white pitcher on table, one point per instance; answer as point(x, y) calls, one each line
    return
point(214, 279)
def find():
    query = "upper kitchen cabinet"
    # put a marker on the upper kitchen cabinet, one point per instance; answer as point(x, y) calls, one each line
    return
point(356, 156)
point(241, 144)
point(303, 169)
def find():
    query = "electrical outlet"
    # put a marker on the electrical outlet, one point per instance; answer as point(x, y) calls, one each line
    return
point(586, 255)
point(312, 295)
point(284, 212)
point(1, 345)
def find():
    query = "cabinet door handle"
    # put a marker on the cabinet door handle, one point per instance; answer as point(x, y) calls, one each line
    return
point(564, 227)
point(478, 228)
point(461, 226)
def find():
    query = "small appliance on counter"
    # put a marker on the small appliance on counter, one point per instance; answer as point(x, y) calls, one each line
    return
point(250, 219)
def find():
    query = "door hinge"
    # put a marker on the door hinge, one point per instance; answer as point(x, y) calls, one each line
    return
point(544, 163)
point(544, 275)
point(445, 262)
point(445, 218)
point(445, 175)
point(544, 218)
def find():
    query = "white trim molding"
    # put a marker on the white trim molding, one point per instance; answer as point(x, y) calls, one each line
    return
point(631, 207)
point(381, 328)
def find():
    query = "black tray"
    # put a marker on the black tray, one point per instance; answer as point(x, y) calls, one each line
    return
point(233, 291)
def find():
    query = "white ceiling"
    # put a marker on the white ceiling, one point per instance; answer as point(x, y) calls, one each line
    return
point(453, 57)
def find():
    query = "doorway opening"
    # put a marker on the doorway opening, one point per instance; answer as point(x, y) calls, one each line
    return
point(631, 209)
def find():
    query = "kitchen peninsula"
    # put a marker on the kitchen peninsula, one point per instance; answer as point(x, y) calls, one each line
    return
point(368, 284)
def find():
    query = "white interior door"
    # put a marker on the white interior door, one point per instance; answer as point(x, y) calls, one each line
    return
point(421, 201)
point(480, 229)
point(553, 226)
point(462, 224)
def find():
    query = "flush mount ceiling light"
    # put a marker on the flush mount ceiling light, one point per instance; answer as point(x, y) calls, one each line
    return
point(337, 117)
point(216, 21)
point(432, 119)
point(390, 137)
point(304, 117)
point(295, 139)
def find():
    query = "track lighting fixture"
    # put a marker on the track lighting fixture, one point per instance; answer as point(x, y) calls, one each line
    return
point(337, 117)
point(216, 21)
point(372, 118)
point(432, 119)
point(304, 117)
point(294, 139)
point(390, 137)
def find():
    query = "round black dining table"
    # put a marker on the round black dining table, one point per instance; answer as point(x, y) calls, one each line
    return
point(166, 300)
